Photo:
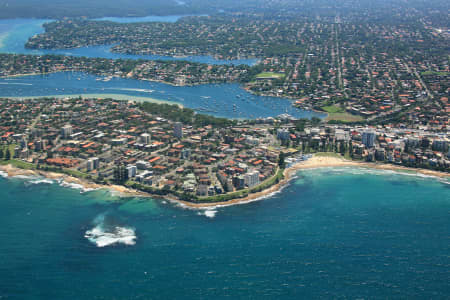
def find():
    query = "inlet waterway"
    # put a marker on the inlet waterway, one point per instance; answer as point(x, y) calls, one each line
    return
point(222, 100)
point(14, 33)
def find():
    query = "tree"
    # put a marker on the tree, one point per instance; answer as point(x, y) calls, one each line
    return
point(300, 124)
point(1, 153)
point(8, 154)
point(350, 148)
point(343, 148)
point(281, 162)
point(315, 121)
point(406, 148)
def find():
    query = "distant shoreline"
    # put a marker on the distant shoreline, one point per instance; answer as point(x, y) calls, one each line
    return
point(99, 76)
point(315, 162)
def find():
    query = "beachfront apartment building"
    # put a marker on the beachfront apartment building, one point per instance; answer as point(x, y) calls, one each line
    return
point(368, 138)
point(251, 178)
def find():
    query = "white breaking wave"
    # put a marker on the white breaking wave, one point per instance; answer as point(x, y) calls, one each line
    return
point(3, 174)
point(209, 213)
point(132, 90)
point(120, 235)
point(102, 235)
point(72, 185)
point(15, 83)
point(42, 181)
point(75, 186)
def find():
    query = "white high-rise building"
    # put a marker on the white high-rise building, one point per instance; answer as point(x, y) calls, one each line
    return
point(89, 165)
point(132, 170)
point(251, 178)
point(93, 164)
point(66, 131)
point(145, 138)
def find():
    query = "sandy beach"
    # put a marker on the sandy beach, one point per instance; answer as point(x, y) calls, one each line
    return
point(312, 163)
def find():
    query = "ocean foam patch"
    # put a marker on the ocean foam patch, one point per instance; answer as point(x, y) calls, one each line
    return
point(120, 235)
point(42, 181)
point(3, 174)
point(75, 186)
point(107, 234)
point(132, 90)
point(209, 213)
point(15, 83)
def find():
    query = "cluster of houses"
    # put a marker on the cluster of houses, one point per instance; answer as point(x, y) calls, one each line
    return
point(94, 137)
point(116, 141)
point(422, 147)
point(173, 72)
point(362, 79)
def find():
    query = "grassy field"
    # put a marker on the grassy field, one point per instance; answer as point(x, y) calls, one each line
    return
point(332, 109)
point(345, 117)
point(270, 75)
point(75, 173)
point(339, 114)
point(18, 164)
point(328, 154)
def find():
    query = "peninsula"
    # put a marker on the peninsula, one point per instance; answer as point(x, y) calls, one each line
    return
point(172, 152)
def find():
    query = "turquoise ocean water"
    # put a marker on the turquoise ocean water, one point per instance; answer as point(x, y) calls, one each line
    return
point(332, 233)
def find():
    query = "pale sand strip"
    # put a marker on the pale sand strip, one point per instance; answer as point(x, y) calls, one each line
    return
point(313, 163)
point(121, 97)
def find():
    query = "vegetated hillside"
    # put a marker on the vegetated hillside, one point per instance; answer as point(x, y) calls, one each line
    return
point(57, 9)
point(90, 8)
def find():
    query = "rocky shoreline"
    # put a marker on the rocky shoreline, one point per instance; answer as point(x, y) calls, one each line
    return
point(13, 171)
point(289, 173)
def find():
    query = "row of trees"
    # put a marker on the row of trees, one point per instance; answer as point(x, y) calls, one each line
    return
point(184, 115)
point(5, 153)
